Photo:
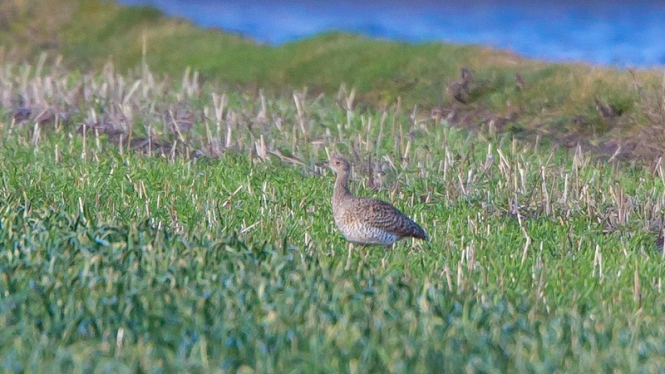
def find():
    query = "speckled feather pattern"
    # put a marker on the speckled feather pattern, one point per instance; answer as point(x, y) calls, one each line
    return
point(365, 220)
point(370, 221)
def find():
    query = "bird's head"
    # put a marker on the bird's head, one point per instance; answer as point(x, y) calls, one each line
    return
point(338, 164)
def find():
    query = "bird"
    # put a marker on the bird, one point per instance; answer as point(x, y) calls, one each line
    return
point(460, 89)
point(367, 221)
point(520, 84)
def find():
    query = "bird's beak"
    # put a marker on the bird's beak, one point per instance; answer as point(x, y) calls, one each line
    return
point(326, 164)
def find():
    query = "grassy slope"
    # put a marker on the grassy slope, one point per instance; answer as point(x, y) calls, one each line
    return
point(117, 261)
point(558, 100)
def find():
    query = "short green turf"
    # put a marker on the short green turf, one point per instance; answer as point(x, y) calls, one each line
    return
point(220, 254)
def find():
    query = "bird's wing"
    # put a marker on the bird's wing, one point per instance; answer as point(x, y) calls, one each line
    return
point(383, 216)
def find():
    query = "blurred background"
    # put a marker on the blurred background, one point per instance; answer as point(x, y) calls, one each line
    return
point(618, 33)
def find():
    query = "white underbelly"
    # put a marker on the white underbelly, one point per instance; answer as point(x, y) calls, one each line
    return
point(368, 235)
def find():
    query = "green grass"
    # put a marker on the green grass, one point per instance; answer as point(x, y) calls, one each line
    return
point(217, 252)
point(557, 101)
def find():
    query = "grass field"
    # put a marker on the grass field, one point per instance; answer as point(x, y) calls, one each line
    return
point(153, 226)
point(602, 108)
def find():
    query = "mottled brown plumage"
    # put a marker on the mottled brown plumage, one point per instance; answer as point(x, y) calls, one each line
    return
point(364, 220)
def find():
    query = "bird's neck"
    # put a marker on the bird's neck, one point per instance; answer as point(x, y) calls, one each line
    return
point(341, 186)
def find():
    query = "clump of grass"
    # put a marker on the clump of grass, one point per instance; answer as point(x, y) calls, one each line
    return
point(210, 246)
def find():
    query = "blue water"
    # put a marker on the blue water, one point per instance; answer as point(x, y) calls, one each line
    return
point(625, 34)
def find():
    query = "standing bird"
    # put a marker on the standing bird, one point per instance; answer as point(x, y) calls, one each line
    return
point(367, 221)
